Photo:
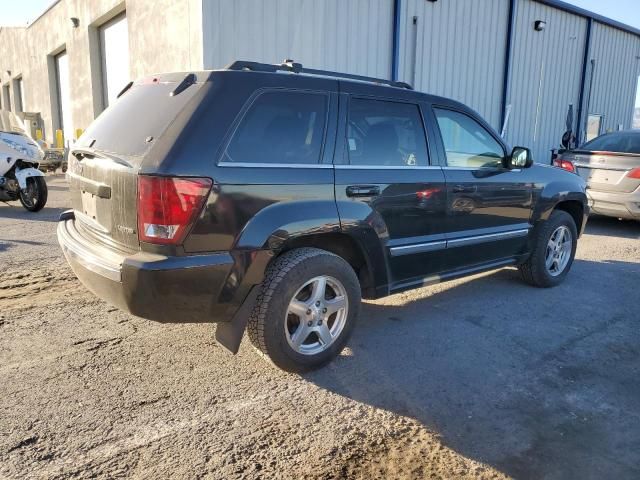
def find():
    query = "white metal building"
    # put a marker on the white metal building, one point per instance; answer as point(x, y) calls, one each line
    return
point(522, 60)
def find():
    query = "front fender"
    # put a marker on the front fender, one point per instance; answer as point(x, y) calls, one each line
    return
point(23, 173)
point(280, 222)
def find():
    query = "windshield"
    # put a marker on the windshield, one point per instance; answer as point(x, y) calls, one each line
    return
point(623, 142)
point(10, 123)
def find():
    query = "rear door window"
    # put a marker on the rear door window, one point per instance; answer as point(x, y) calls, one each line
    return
point(383, 133)
point(283, 127)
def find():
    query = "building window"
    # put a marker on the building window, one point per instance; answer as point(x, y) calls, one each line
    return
point(114, 57)
point(6, 98)
point(18, 94)
point(594, 126)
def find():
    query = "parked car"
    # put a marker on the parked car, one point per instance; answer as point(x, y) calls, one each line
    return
point(610, 164)
point(276, 197)
point(54, 158)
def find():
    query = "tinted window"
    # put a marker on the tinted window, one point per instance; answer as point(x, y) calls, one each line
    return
point(144, 111)
point(467, 143)
point(385, 134)
point(281, 127)
point(627, 142)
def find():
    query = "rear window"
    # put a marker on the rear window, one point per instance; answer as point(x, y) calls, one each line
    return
point(627, 142)
point(144, 111)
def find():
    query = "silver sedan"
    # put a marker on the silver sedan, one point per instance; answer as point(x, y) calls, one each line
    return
point(610, 164)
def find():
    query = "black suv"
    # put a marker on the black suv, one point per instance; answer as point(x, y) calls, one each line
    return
point(275, 197)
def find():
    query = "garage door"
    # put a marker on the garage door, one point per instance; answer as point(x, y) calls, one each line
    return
point(114, 47)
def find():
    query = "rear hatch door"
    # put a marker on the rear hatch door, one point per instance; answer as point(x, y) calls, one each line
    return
point(105, 161)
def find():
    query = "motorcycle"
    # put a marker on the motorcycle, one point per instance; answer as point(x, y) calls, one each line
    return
point(20, 155)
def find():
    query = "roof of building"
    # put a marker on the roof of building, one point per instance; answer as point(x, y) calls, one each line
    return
point(559, 4)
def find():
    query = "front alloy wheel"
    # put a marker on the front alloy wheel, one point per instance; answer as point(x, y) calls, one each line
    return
point(559, 250)
point(554, 247)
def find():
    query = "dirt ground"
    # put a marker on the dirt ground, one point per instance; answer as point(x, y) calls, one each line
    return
point(483, 377)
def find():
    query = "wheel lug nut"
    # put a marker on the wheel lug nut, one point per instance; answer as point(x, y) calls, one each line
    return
point(309, 323)
point(308, 311)
point(317, 304)
point(319, 322)
point(324, 310)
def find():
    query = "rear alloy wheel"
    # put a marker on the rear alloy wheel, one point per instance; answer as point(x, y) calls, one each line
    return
point(34, 196)
point(306, 310)
point(553, 251)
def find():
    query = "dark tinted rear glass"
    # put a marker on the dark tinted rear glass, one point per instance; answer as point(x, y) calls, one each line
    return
point(625, 142)
point(145, 110)
point(281, 127)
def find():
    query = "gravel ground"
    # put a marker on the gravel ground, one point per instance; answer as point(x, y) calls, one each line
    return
point(483, 377)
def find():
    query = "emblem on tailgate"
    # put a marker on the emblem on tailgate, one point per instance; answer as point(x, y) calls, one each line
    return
point(127, 230)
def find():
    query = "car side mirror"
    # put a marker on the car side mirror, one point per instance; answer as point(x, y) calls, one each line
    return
point(520, 158)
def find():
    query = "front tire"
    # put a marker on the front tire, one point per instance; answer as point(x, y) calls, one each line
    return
point(553, 252)
point(34, 197)
point(306, 309)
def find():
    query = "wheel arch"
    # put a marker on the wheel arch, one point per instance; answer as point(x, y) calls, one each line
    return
point(373, 280)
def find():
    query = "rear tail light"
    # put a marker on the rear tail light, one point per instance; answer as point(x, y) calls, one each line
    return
point(565, 165)
point(635, 173)
point(168, 206)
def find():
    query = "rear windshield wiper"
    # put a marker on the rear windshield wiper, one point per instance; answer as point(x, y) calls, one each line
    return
point(186, 82)
point(84, 152)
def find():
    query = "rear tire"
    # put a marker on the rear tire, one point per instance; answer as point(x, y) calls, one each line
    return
point(306, 309)
point(552, 254)
point(35, 197)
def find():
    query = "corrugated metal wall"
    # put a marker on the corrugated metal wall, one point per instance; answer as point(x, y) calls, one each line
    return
point(352, 36)
point(456, 50)
point(545, 76)
point(617, 66)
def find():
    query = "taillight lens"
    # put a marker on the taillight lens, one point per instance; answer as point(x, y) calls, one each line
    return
point(167, 207)
point(635, 173)
point(565, 165)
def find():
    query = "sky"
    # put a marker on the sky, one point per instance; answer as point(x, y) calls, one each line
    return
point(16, 13)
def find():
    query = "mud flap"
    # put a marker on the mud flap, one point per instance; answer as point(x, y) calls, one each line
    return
point(229, 334)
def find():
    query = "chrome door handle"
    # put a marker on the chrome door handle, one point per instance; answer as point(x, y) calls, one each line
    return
point(463, 188)
point(363, 190)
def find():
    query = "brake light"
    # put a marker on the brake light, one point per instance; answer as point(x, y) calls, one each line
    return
point(635, 173)
point(565, 165)
point(167, 207)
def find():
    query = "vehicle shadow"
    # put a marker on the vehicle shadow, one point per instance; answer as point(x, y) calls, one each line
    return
point(538, 383)
point(608, 226)
point(17, 212)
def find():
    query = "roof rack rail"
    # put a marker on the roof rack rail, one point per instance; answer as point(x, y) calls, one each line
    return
point(291, 66)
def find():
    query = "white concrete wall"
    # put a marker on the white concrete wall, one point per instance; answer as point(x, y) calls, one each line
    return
point(164, 35)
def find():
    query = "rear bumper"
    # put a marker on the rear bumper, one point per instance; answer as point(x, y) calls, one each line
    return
point(621, 205)
point(194, 288)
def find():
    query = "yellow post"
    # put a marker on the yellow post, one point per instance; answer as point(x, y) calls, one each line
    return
point(59, 139)
point(78, 133)
point(38, 134)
